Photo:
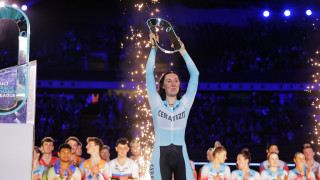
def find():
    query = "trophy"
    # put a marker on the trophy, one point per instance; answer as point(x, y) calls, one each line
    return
point(14, 80)
point(156, 26)
point(17, 102)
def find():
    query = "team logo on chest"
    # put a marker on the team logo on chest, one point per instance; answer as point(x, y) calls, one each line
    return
point(172, 120)
point(175, 117)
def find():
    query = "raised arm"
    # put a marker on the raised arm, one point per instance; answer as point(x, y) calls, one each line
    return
point(189, 96)
point(153, 96)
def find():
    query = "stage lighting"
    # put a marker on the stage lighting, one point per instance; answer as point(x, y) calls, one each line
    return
point(287, 13)
point(14, 5)
point(24, 7)
point(266, 13)
point(308, 12)
point(2, 4)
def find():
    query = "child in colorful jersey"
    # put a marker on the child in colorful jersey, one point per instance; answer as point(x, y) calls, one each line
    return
point(123, 167)
point(170, 112)
point(244, 172)
point(300, 173)
point(94, 168)
point(38, 171)
point(63, 169)
point(216, 169)
point(273, 172)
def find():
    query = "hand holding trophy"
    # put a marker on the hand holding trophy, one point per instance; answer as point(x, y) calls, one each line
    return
point(157, 24)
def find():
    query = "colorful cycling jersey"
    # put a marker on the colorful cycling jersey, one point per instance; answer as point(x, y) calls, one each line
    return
point(170, 122)
point(86, 166)
point(266, 165)
point(208, 172)
point(41, 170)
point(239, 175)
point(129, 168)
point(270, 175)
point(53, 173)
point(295, 175)
point(51, 163)
point(315, 167)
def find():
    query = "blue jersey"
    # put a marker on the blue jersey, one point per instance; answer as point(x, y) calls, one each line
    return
point(208, 172)
point(239, 175)
point(170, 122)
point(270, 175)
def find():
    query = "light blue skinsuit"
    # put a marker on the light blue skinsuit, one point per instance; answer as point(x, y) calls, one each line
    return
point(170, 122)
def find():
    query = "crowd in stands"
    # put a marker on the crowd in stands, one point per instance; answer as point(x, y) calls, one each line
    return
point(247, 118)
point(258, 47)
point(235, 118)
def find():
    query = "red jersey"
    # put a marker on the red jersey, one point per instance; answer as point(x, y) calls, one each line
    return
point(51, 163)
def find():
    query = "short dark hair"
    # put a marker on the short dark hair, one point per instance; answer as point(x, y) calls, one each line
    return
point(123, 141)
point(37, 149)
point(96, 141)
point(162, 92)
point(272, 144)
point(47, 139)
point(74, 139)
point(246, 154)
point(64, 146)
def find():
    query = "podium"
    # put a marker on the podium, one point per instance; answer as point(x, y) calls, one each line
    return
point(17, 104)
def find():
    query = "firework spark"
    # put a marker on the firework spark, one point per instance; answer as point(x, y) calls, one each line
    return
point(141, 49)
point(314, 88)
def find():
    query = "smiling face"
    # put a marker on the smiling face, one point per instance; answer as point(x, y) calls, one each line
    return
point(308, 153)
point(273, 160)
point(171, 84)
point(299, 160)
